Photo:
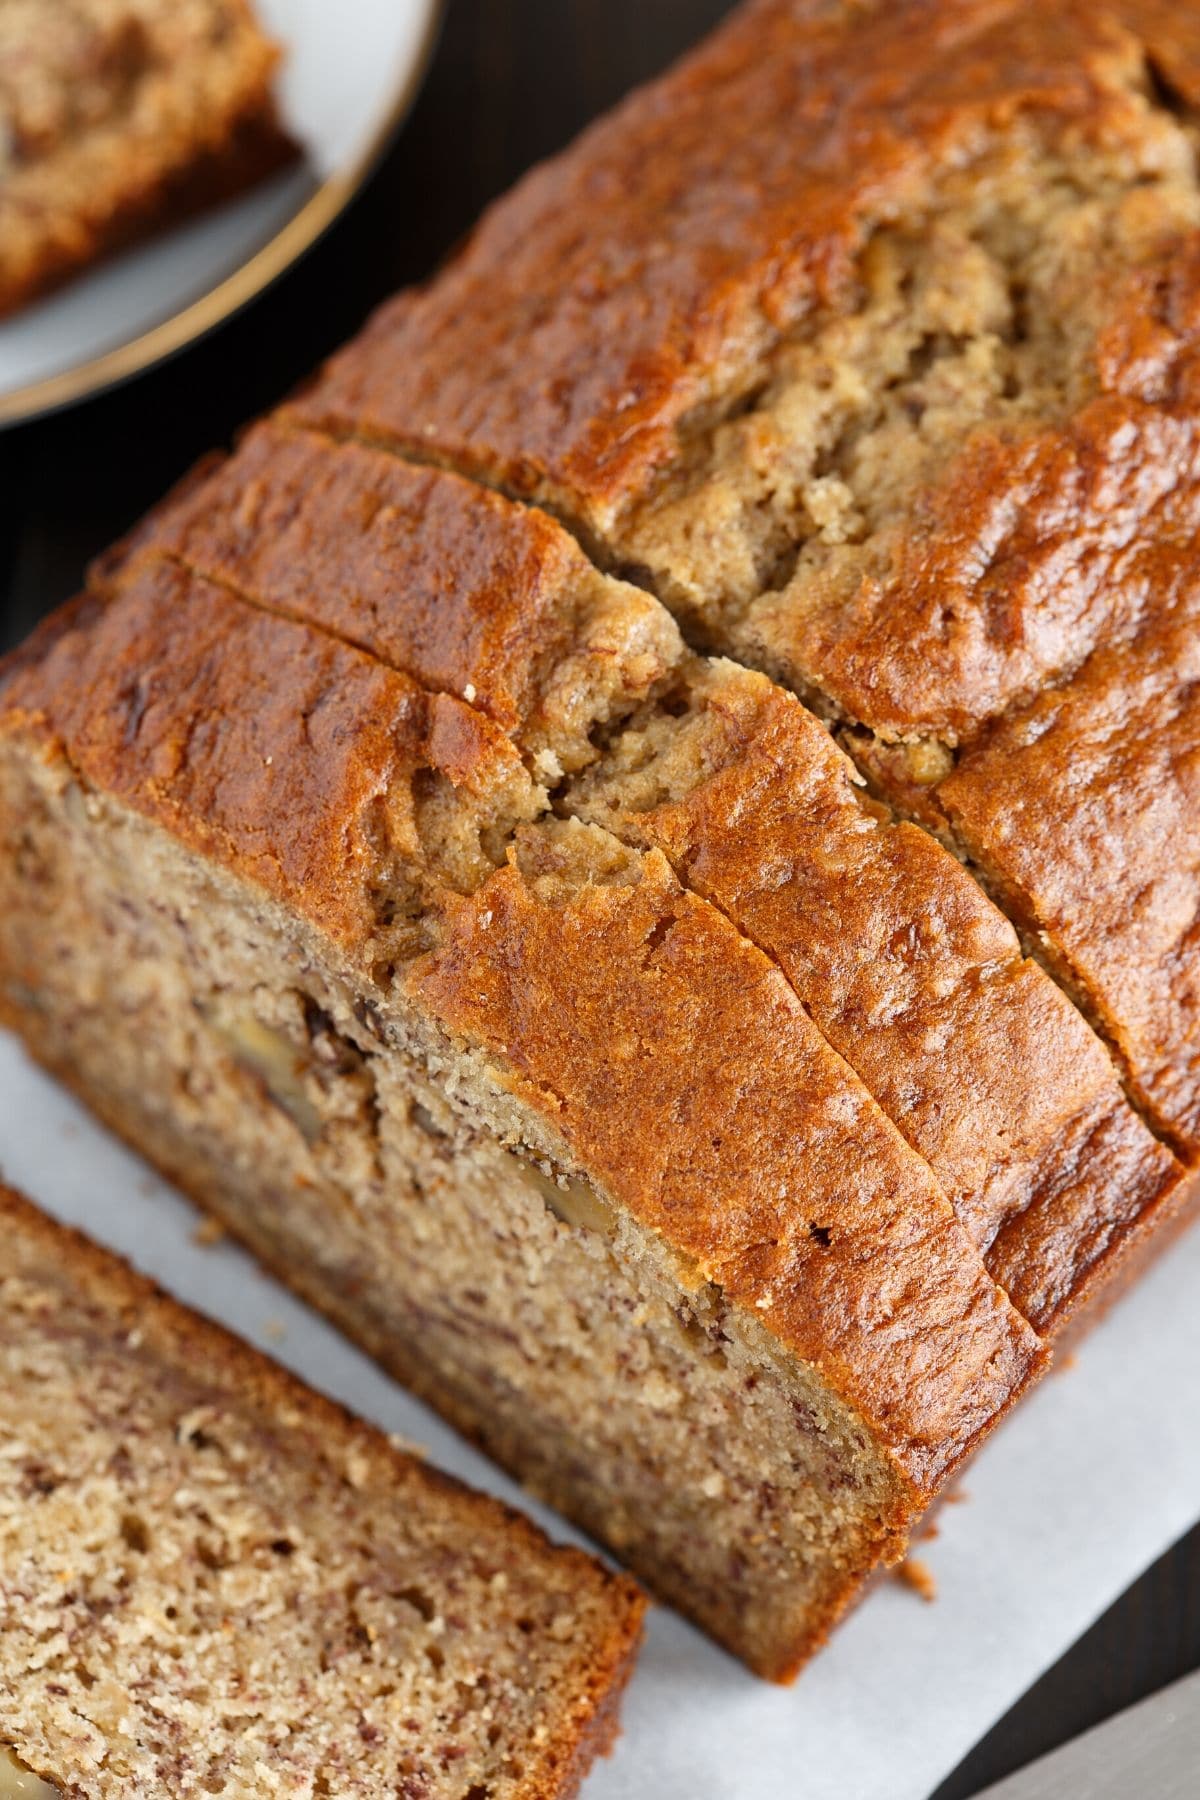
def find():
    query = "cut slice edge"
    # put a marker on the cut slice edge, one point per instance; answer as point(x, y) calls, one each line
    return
point(137, 1323)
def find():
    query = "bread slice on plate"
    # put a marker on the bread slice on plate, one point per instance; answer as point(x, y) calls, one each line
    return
point(119, 116)
point(213, 1581)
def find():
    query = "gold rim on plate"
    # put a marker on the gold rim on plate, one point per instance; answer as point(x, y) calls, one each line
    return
point(228, 297)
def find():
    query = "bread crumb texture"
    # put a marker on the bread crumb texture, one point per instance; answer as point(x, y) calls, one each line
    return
point(213, 1583)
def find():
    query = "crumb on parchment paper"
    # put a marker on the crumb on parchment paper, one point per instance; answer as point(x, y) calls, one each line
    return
point(918, 1576)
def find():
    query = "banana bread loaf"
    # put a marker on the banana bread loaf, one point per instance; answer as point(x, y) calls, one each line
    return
point(117, 116)
point(657, 1067)
point(214, 1581)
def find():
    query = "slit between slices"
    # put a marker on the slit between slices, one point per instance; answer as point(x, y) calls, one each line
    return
point(422, 456)
point(917, 802)
point(1040, 946)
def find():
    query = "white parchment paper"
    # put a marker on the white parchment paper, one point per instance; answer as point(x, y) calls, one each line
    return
point(1094, 1476)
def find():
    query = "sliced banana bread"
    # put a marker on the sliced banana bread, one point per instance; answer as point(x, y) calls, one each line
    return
point(910, 971)
point(549, 1002)
point(117, 116)
point(213, 1581)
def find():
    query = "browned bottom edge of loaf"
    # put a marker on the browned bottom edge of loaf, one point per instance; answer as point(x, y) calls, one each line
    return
point(594, 1733)
point(405, 1365)
point(258, 146)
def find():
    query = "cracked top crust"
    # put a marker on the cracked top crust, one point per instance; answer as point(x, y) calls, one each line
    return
point(911, 972)
point(1084, 807)
point(768, 1167)
point(1035, 544)
point(463, 590)
point(626, 289)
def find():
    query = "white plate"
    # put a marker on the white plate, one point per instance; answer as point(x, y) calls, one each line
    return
point(350, 73)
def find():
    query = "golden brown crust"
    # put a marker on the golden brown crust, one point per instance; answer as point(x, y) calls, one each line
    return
point(1083, 809)
point(1113, 1189)
point(285, 755)
point(919, 982)
point(467, 592)
point(688, 1080)
point(613, 291)
point(329, 1434)
point(426, 571)
point(633, 291)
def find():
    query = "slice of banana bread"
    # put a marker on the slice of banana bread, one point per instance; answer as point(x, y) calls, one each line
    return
point(214, 1581)
point(117, 116)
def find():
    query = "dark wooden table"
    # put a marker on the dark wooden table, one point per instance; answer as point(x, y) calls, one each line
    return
point(512, 80)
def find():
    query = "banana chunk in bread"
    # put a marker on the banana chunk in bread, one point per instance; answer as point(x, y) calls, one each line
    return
point(117, 116)
point(215, 1581)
